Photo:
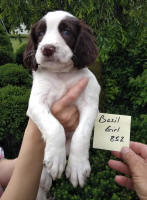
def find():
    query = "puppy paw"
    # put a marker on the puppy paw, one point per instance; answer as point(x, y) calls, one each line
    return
point(77, 170)
point(55, 162)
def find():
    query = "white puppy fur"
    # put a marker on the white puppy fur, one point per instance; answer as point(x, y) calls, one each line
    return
point(51, 81)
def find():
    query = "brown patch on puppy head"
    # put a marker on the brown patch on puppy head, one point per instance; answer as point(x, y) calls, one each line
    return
point(79, 37)
point(69, 30)
point(85, 50)
point(37, 32)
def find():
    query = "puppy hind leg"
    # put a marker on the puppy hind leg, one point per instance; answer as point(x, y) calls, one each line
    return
point(45, 185)
point(68, 144)
point(42, 195)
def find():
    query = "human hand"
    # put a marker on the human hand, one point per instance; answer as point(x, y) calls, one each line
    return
point(135, 166)
point(6, 169)
point(64, 109)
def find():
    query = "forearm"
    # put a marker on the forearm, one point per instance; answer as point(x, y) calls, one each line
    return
point(26, 176)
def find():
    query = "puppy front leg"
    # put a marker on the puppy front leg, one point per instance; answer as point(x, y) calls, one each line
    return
point(55, 152)
point(52, 133)
point(78, 168)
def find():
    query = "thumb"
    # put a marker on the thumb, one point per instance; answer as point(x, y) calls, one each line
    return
point(132, 160)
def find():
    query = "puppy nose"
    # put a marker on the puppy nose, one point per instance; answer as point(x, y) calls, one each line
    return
point(48, 50)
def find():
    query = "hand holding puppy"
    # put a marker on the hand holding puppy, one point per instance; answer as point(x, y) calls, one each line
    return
point(64, 109)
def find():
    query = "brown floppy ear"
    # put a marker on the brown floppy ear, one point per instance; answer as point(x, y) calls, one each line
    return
point(85, 51)
point(30, 51)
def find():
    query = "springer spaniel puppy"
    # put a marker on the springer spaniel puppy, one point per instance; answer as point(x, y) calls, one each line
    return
point(60, 49)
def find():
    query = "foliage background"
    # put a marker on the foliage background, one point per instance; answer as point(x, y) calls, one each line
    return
point(6, 51)
point(120, 31)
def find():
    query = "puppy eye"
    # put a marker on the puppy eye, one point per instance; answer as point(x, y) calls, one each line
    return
point(67, 32)
point(41, 33)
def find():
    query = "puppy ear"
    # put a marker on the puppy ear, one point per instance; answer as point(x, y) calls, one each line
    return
point(30, 51)
point(85, 51)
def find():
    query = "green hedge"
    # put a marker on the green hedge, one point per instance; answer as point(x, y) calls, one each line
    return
point(6, 50)
point(16, 36)
point(15, 75)
point(19, 54)
point(13, 104)
point(15, 84)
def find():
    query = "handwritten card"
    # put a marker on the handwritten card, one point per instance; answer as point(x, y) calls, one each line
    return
point(112, 132)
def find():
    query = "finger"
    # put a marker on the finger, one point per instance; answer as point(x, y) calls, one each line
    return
point(124, 181)
point(67, 115)
point(133, 161)
point(72, 94)
point(139, 148)
point(119, 166)
point(72, 125)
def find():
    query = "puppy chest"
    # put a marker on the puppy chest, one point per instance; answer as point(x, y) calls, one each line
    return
point(55, 92)
point(53, 86)
point(59, 87)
